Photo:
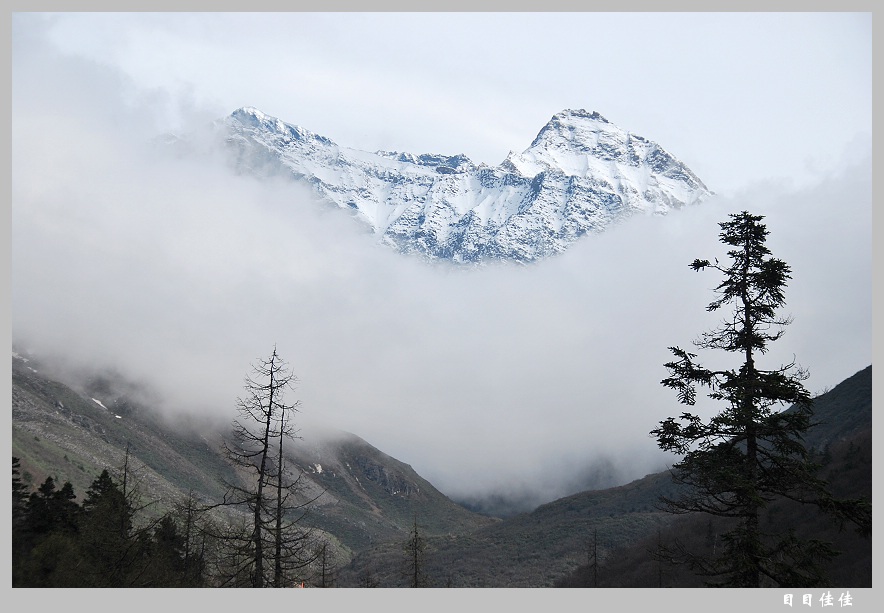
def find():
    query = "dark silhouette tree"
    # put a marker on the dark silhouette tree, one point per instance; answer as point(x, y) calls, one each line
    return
point(592, 557)
point(752, 452)
point(51, 509)
point(20, 539)
point(104, 542)
point(19, 494)
point(326, 566)
point(107, 543)
point(116, 550)
point(44, 538)
point(272, 545)
point(199, 543)
point(414, 557)
point(292, 552)
point(173, 562)
point(166, 551)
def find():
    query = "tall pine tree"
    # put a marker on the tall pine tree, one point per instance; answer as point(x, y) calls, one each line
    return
point(752, 452)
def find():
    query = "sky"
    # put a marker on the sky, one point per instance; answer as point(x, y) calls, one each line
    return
point(529, 381)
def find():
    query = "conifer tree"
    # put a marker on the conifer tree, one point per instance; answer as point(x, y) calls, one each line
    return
point(51, 510)
point(170, 565)
point(20, 540)
point(19, 493)
point(44, 536)
point(105, 530)
point(116, 548)
point(751, 452)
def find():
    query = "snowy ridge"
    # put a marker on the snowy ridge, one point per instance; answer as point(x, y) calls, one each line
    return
point(580, 175)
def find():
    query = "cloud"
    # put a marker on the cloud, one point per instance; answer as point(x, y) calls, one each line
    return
point(176, 272)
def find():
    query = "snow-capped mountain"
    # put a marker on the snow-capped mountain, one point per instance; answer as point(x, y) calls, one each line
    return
point(581, 174)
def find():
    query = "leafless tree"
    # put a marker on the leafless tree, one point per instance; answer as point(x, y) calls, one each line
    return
point(271, 544)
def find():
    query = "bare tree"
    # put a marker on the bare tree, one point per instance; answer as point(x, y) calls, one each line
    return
point(200, 551)
point(270, 544)
point(326, 566)
point(293, 551)
point(414, 557)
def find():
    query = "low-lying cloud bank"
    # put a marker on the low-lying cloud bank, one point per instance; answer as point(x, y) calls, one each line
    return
point(503, 379)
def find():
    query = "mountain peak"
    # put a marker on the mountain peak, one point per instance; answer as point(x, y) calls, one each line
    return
point(255, 120)
point(248, 110)
point(581, 174)
point(578, 114)
point(249, 115)
point(577, 129)
point(579, 143)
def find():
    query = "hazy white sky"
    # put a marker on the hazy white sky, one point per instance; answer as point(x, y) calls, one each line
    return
point(503, 377)
point(737, 96)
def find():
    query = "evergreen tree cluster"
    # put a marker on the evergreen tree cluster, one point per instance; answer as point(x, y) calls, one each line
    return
point(57, 542)
point(110, 540)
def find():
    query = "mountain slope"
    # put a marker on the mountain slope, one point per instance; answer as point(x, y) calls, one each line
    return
point(551, 544)
point(580, 175)
point(844, 430)
point(842, 412)
point(361, 495)
point(848, 469)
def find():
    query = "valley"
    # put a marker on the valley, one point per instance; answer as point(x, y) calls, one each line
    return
point(364, 502)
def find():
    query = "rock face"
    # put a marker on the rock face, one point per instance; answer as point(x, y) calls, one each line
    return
point(580, 175)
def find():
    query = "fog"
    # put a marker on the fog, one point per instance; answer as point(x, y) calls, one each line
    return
point(525, 380)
